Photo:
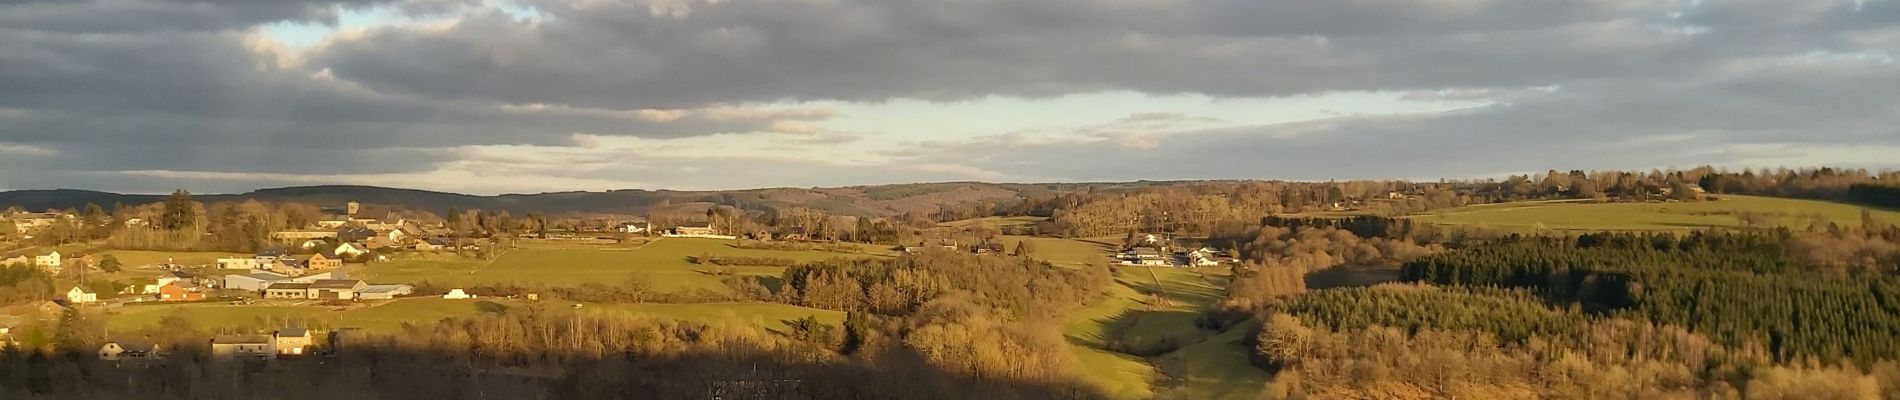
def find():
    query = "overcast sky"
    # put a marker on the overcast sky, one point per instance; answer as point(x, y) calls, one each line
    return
point(496, 96)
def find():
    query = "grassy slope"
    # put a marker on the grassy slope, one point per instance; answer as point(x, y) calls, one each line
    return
point(1062, 252)
point(1214, 369)
point(1188, 295)
point(1574, 215)
point(1088, 330)
point(663, 264)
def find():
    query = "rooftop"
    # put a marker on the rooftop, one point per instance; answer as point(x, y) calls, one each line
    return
point(335, 284)
point(241, 339)
point(288, 286)
point(266, 276)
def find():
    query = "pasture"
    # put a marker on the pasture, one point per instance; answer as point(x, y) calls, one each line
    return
point(663, 264)
point(135, 258)
point(1062, 252)
point(1728, 212)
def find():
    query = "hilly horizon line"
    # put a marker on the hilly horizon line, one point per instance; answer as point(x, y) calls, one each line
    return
point(347, 186)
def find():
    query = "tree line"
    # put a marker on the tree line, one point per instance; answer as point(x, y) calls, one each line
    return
point(1735, 288)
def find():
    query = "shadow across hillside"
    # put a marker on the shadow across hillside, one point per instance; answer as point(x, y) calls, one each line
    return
point(392, 373)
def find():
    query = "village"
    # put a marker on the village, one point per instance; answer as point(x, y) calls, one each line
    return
point(307, 266)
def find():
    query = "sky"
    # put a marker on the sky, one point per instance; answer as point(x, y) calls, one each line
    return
point(524, 96)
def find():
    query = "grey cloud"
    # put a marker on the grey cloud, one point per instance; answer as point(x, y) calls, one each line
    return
point(93, 16)
point(1607, 125)
point(173, 84)
point(628, 55)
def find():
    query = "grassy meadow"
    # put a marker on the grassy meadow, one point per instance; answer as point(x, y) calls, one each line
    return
point(1062, 252)
point(663, 264)
point(1727, 212)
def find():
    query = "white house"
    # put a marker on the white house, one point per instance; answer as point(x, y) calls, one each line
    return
point(457, 294)
point(50, 260)
point(81, 295)
point(631, 227)
point(116, 351)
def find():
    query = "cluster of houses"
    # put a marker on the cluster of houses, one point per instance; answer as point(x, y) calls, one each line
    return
point(278, 262)
point(348, 236)
point(287, 342)
point(27, 222)
point(1156, 252)
point(171, 286)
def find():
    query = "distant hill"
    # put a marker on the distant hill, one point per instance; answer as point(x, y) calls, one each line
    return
point(880, 200)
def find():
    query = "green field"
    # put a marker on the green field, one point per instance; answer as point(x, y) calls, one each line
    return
point(1214, 369)
point(1088, 330)
point(1186, 295)
point(1062, 252)
point(664, 264)
point(134, 258)
point(389, 316)
point(1582, 215)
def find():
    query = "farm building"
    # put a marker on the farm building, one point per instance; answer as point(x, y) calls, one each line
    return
point(257, 281)
point(238, 263)
point(253, 281)
point(287, 290)
point(457, 294)
point(384, 292)
point(335, 289)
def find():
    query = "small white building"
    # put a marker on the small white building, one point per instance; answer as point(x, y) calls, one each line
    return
point(80, 295)
point(457, 294)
